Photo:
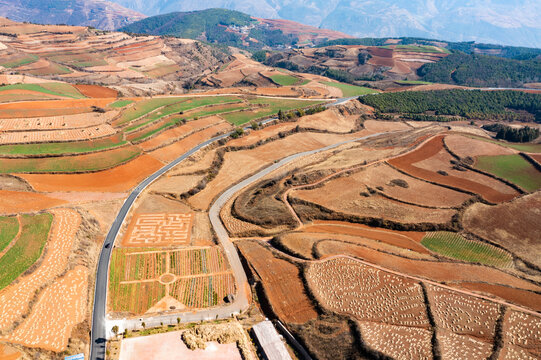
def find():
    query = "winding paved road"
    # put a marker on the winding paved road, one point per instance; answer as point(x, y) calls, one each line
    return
point(101, 325)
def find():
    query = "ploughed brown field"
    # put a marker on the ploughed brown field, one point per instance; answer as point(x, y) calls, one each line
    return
point(386, 245)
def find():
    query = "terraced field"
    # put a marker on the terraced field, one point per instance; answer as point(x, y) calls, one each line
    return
point(27, 249)
point(71, 164)
point(350, 90)
point(142, 278)
point(9, 227)
point(513, 168)
point(455, 246)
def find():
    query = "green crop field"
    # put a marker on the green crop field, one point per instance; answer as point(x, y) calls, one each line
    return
point(285, 80)
point(135, 297)
point(70, 164)
point(272, 108)
point(65, 89)
point(149, 133)
point(121, 103)
point(145, 106)
point(9, 226)
point(63, 147)
point(350, 90)
point(203, 113)
point(455, 246)
point(513, 168)
point(530, 148)
point(170, 106)
point(193, 103)
point(28, 248)
point(413, 82)
point(57, 89)
point(20, 62)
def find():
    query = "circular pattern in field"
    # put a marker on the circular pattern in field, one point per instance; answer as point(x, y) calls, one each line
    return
point(167, 278)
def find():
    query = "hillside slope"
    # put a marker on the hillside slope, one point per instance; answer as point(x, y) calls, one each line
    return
point(513, 22)
point(232, 28)
point(100, 14)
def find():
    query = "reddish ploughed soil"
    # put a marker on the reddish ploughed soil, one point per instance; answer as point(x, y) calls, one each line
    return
point(430, 149)
point(119, 179)
point(9, 353)
point(282, 283)
point(436, 271)
point(517, 296)
point(171, 152)
point(96, 91)
point(404, 239)
point(514, 225)
point(13, 202)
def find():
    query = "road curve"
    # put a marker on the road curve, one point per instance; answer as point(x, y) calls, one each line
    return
point(98, 331)
point(99, 325)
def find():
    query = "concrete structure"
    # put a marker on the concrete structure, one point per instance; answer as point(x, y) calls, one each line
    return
point(270, 342)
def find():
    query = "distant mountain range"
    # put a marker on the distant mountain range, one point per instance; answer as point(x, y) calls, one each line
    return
point(510, 22)
point(100, 14)
point(233, 28)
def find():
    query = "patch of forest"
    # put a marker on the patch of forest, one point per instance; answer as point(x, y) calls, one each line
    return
point(505, 105)
point(482, 71)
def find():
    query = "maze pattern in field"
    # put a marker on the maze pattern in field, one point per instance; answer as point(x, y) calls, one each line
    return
point(160, 229)
point(199, 278)
point(203, 291)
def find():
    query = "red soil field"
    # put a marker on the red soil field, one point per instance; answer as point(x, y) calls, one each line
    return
point(346, 286)
point(57, 104)
point(431, 148)
point(381, 52)
point(463, 146)
point(513, 225)
point(398, 342)
point(241, 163)
point(436, 271)
point(171, 152)
point(282, 283)
point(13, 202)
point(179, 132)
point(536, 157)
point(36, 113)
point(255, 136)
point(517, 296)
point(95, 91)
point(521, 335)
point(418, 192)
point(119, 179)
point(404, 239)
point(463, 314)
point(9, 353)
point(348, 199)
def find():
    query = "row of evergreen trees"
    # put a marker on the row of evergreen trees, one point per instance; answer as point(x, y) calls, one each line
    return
point(523, 134)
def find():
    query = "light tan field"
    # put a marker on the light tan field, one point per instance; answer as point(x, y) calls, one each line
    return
point(15, 299)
